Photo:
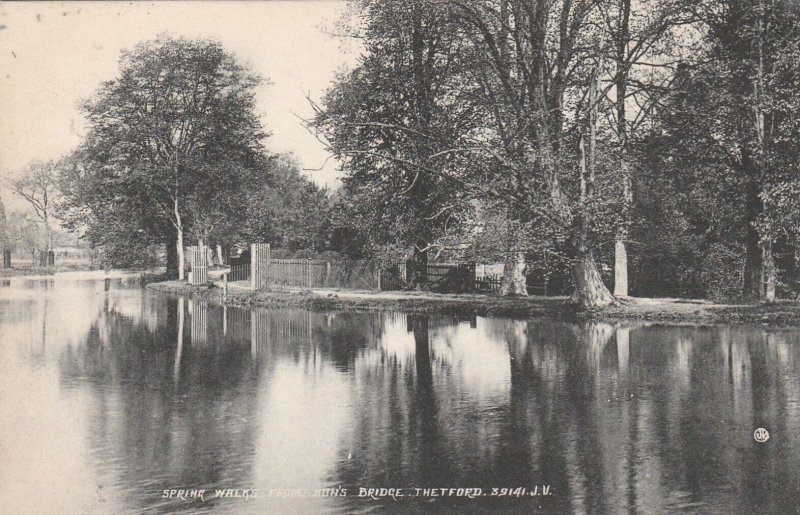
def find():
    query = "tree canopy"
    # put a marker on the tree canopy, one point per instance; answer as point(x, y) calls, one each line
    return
point(571, 140)
point(541, 120)
point(176, 129)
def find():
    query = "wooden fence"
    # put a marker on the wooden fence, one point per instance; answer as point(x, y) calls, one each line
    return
point(491, 283)
point(309, 273)
point(353, 274)
point(265, 272)
point(302, 273)
point(366, 275)
point(441, 277)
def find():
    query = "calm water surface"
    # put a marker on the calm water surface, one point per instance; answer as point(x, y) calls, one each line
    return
point(110, 394)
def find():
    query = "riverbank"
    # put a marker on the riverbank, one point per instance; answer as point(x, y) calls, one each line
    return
point(661, 310)
point(41, 271)
point(79, 273)
point(24, 272)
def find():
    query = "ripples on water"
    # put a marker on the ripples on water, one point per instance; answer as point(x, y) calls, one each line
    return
point(111, 394)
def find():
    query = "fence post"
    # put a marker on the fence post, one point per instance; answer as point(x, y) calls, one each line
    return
point(473, 269)
point(379, 270)
point(192, 265)
point(253, 266)
point(308, 272)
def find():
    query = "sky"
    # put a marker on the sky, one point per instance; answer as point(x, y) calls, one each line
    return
point(54, 55)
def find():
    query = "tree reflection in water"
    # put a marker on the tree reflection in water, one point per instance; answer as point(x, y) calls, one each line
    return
point(613, 417)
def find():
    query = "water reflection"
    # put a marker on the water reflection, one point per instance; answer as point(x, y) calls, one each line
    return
point(119, 394)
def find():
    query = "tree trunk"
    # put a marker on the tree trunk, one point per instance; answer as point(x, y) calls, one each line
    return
point(769, 274)
point(181, 257)
point(590, 291)
point(48, 231)
point(205, 254)
point(172, 260)
point(179, 227)
point(514, 281)
point(620, 250)
point(621, 84)
point(620, 268)
point(764, 274)
point(209, 256)
point(219, 255)
point(3, 227)
point(751, 285)
point(751, 288)
point(417, 271)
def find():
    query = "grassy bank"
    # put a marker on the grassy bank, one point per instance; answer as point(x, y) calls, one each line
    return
point(664, 310)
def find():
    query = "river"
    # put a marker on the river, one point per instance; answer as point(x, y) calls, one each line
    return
point(114, 399)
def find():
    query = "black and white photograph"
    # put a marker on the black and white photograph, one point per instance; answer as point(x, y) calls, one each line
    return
point(400, 256)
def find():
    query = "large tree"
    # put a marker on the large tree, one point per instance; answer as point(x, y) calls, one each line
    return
point(121, 227)
point(4, 239)
point(536, 64)
point(730, 127)
point(180, 115)
point(37, 186)
point(283, 207)
point(498, 84)
point(24, 234)
point(642, 44)
point(391, 122)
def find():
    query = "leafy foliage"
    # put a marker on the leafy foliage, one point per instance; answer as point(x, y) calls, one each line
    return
point(176, 131)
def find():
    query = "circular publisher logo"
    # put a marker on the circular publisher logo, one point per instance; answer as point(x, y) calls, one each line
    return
point(761, 435)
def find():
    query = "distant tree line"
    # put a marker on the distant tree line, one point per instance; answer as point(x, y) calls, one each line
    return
point(29, 233)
